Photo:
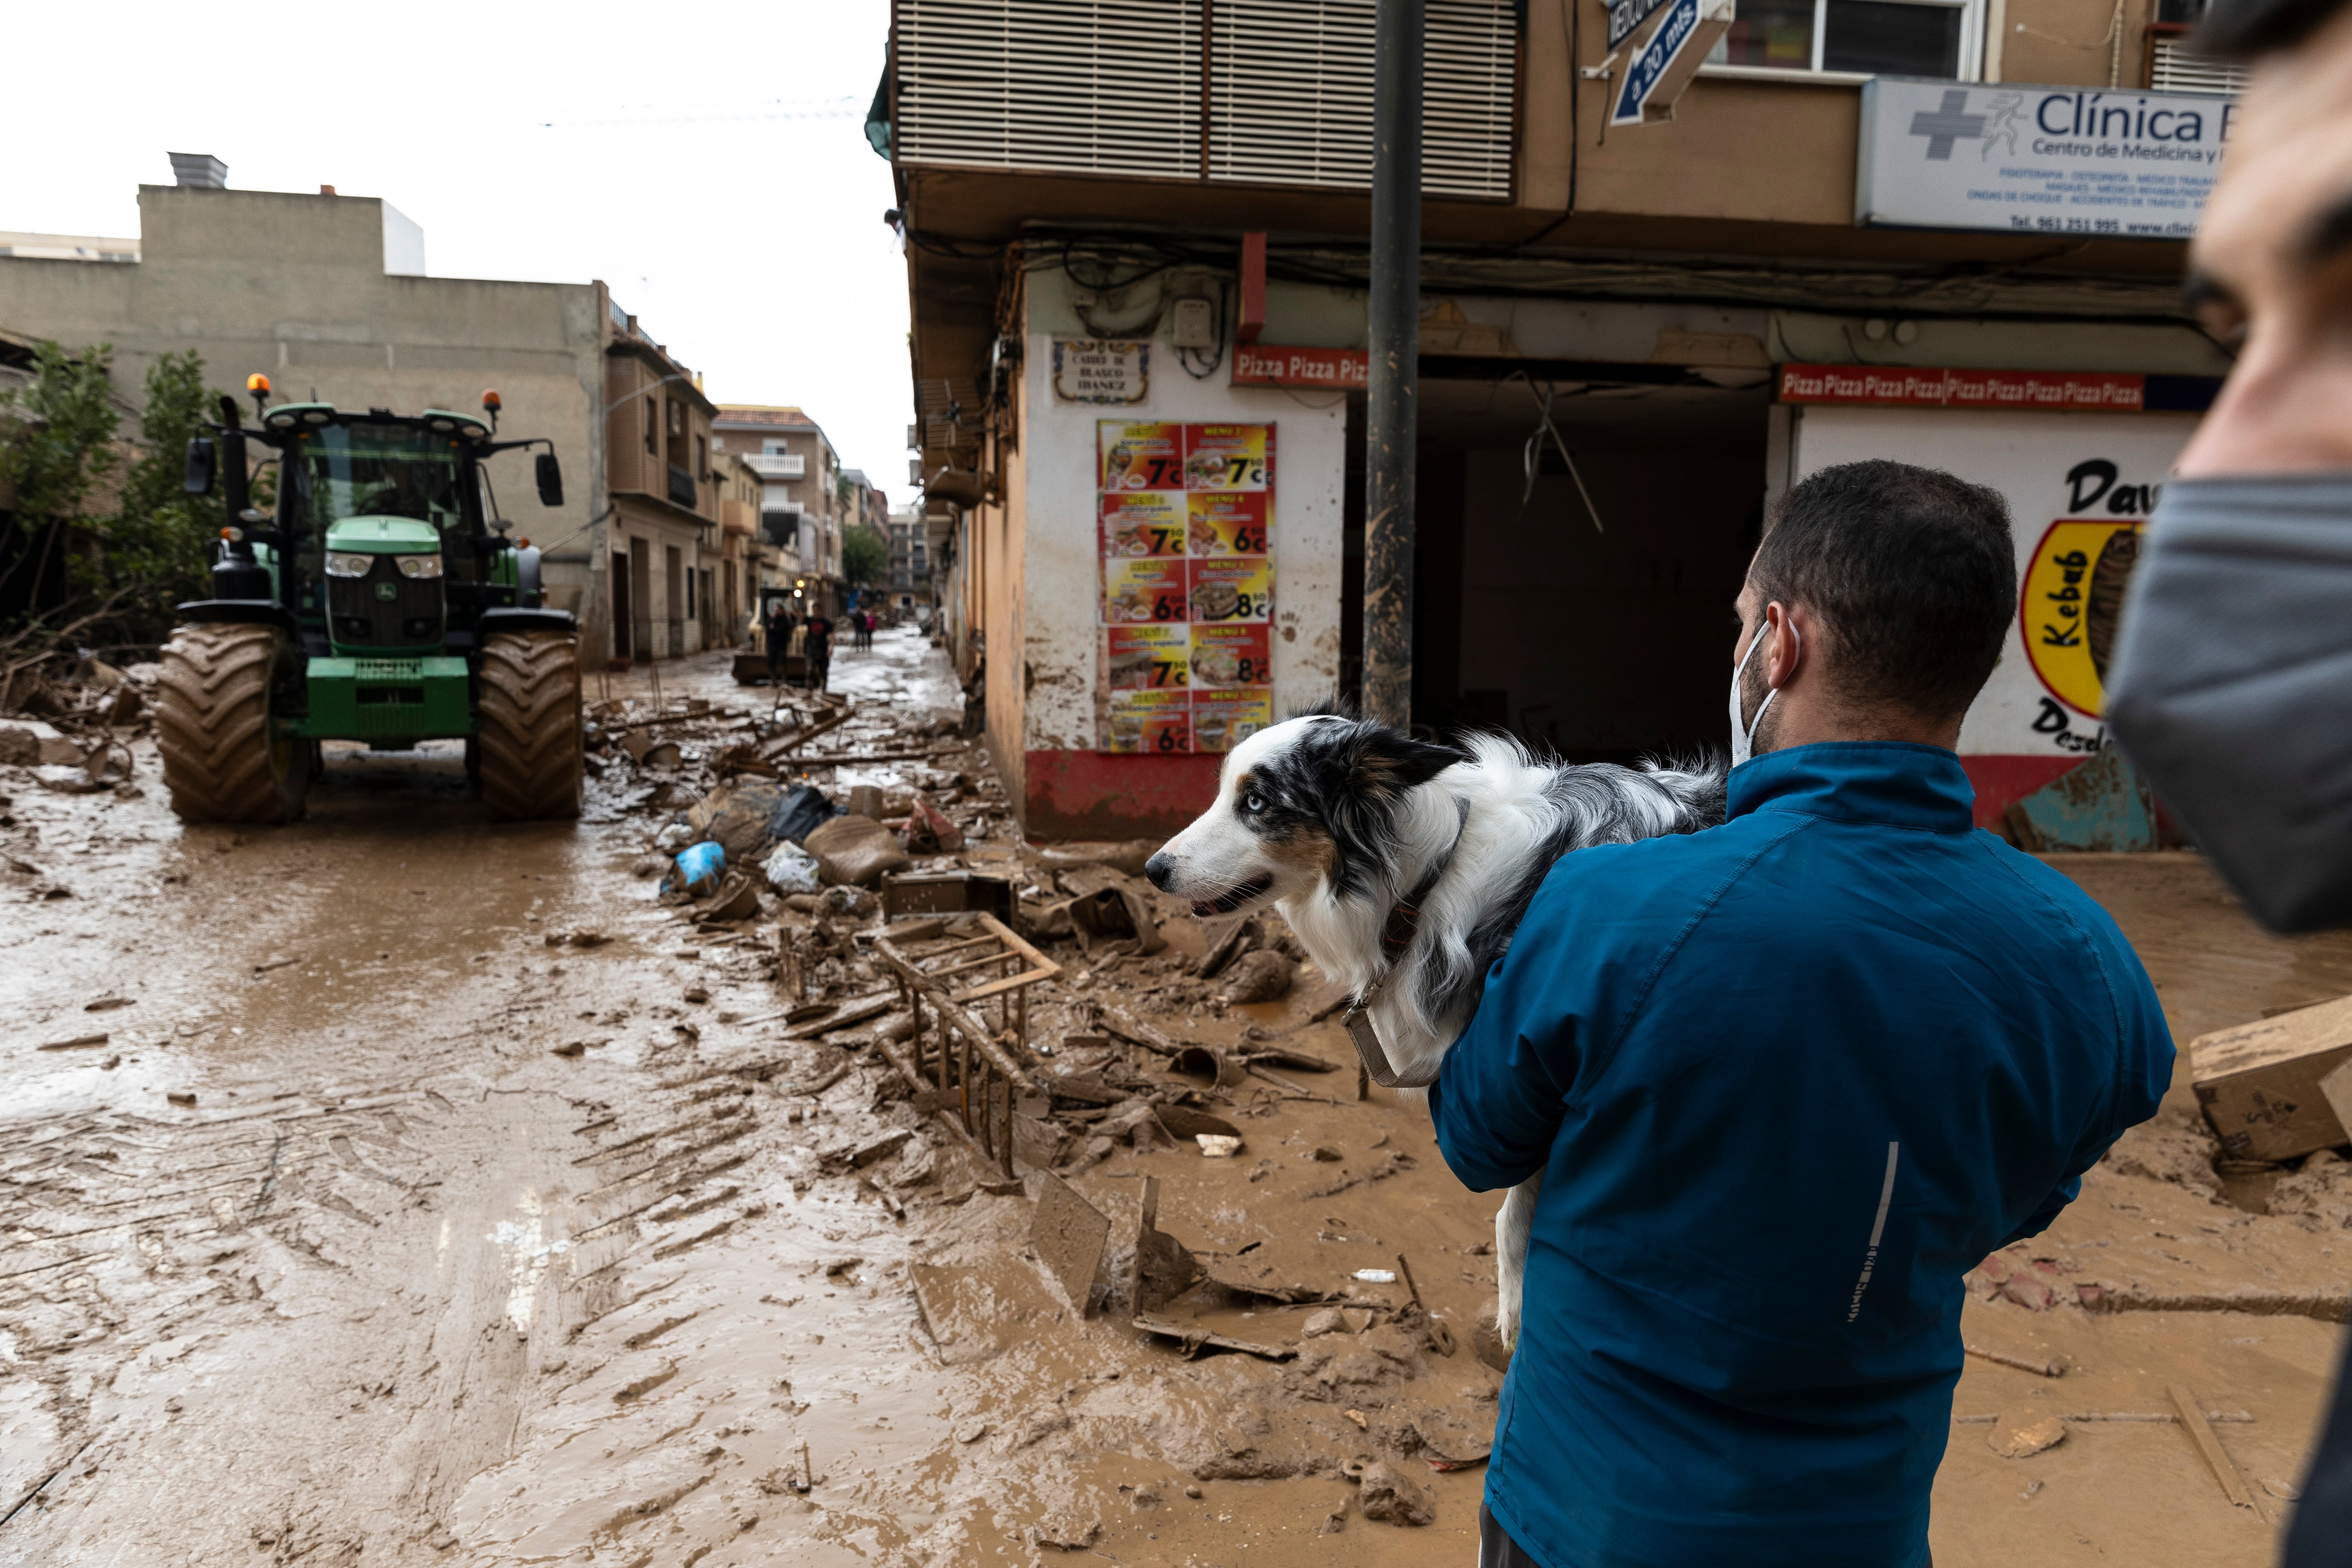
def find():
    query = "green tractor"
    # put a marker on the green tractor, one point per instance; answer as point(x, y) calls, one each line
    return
point(383, 601)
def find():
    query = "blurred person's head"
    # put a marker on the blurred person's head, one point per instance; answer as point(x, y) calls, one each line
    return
point(2270, 268)
point(1874, 609)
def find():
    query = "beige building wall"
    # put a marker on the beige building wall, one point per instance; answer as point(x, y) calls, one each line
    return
point(295, 287)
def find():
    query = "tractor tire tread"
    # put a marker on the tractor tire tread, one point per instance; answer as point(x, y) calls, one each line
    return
point(212, 719)
point(529, 732)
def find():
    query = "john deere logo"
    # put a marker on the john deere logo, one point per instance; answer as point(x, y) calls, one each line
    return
point(387, 592)
point(2072, 599)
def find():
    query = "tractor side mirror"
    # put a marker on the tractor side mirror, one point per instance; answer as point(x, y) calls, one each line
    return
point(203, 459)
point(550, 480)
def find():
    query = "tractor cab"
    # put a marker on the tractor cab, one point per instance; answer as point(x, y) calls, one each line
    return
point(391, 528)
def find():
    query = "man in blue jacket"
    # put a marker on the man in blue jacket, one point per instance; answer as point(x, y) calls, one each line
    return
point(1787, 1080)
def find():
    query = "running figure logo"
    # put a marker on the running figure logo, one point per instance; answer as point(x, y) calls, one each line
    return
point(2003, 115)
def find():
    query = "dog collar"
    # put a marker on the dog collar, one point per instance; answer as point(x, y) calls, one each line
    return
point(1404, 916)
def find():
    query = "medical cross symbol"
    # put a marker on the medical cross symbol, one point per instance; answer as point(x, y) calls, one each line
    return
point(1943, 126)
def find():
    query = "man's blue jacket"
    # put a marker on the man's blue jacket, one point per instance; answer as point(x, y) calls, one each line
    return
point(1786, 1080)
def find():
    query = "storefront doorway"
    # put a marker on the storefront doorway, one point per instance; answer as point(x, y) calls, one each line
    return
point(1603, 640)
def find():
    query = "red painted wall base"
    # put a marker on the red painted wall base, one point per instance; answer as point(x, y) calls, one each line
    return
point(1096, 794)
point(1998, 779)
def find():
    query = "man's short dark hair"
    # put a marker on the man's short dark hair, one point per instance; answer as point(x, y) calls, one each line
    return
point(1912, 573)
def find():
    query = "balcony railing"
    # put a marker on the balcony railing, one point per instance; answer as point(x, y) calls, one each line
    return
point(777, 465)
point(681, 485)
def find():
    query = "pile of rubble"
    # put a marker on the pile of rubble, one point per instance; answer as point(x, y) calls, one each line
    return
point(73, 733)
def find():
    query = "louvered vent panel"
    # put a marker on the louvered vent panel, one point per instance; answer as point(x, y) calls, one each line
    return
point(1291, 94)
point(1098, 86)
point(1290, 97)
point(1469, 92)
point(2173, 68)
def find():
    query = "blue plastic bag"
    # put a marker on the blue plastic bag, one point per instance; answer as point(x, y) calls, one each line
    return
point(698, 865)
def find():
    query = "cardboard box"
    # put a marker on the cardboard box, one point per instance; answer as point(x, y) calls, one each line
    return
point(2258, 1083)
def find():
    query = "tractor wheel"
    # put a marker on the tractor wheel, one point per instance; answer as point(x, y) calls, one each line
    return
point(531, 727)
point(222, 686)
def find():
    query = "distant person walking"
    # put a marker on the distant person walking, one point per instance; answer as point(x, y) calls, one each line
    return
point(818, 645)
point(777, 635)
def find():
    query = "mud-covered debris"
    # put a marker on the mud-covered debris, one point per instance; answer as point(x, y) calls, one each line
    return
point(1186, 1124)
point(75, 1043)
point(2041, 1366)
point(1163, 1269)
point(929, 830)
point(570, 1049)
point(1066, 1530)
point(854, 851)
point(1263, 975)
point(696, 994)
point(737, 899)
point(1195, 1339)
point(855, 903)
point(1391, 1497)
point(1326, 1154)
point(1127, 855)
point(1036, 1427)
point(1192, 1492)
point(879, 1148)
point(2012, 1441)
point(971, 1431)
point(838, 1266)
point(1218, 1145)
point(107, 1004)
point(182, 1097)
point(1223, 938)
point(1069, 1234)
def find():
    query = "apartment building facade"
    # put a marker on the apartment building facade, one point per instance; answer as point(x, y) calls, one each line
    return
point(328, 296)
point(666, 506)
point(907, 588)
point(745, 559)
point(1945, 231)
point(802, 510)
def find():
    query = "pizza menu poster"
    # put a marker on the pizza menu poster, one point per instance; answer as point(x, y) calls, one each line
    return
point(1184, 522)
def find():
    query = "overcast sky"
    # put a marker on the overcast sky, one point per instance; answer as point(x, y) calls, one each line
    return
point(752, 245)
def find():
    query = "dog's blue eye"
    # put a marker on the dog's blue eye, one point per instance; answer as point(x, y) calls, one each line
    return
point(1254, 803)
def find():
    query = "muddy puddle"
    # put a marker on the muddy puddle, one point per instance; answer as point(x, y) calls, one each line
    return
point(502, 1216)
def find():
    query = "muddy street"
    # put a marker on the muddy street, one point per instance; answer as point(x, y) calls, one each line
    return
point(394, 1187)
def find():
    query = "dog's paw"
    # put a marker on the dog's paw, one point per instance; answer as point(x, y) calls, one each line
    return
point(1487, 1340)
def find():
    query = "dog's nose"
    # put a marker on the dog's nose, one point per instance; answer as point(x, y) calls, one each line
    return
point(1160, 869)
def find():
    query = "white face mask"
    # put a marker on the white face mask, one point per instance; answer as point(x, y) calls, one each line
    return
point(1743, 734)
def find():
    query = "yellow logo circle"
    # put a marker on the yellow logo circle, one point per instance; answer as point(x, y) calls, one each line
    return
point(2071, 604)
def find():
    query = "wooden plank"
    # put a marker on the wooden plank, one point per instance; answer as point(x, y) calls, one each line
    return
point(2258, 1083)
point(2216, 1458)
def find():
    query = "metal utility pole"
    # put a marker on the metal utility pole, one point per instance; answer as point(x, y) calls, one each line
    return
point(1392, 415)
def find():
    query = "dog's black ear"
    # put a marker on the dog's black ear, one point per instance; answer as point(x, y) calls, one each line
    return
point(1387, 762)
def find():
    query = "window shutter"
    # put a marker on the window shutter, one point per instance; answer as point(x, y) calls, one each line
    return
point(1291, 95)
point(1093, 85)
point(2172, 68)
point(1114, 86)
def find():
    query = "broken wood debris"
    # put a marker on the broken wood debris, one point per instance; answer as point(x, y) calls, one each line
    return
point(1196, 1338)
point(2040, 1367)
point(2209, 1448)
